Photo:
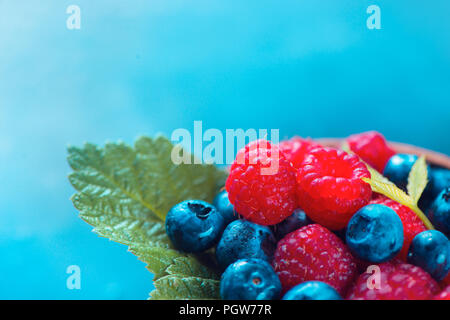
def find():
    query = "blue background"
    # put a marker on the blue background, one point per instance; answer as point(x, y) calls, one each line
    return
point(142, 67)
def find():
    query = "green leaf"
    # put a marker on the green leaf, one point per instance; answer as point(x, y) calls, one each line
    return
point(178, 287)
point(417, 179)
point(125, 192)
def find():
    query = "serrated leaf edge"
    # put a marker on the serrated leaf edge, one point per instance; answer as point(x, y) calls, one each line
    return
point(104, 232)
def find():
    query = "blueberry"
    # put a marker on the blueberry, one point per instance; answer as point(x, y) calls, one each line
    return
point(430, 250)
point(312, 290)
point(439, 179)
point(250, 279)
point(295, 221)
point(194, 225)
point(439, 213)
point(243, 240)
point(375, 233)
point(398, 167)
point(224, 206)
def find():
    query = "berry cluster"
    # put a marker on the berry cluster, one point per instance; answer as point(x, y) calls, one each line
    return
point(297, 221)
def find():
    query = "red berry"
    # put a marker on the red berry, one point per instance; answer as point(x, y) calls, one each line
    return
point(446, 281)
point(314, 253)
point(372, 148)
point(398, 281)
point(297, 148)
point(330, 189)
point(412, 225)
point(261, 184)
point(443, 295)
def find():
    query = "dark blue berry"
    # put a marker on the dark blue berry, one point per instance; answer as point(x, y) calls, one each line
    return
point(439, 179)
point(430, 250)
point(398, 167)
point(439, 213)
point(295, 221)
point(243, 240)
point(375, 233)
point(250, 279)
point(312, 290)
point(224, 206)
point(194, 225)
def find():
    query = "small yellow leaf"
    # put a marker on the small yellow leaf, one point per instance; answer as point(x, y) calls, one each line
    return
point(416, 185)
point(417, 179)
point(375, 175)
point(345, 147)
point(393, 192)
point(390, 190)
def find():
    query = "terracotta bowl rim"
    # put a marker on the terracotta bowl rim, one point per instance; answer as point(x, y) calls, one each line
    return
point(433, 157)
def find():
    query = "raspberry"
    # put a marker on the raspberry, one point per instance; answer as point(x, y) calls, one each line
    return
point(398, 281)
point(261, 184)
point(446, 281)
point(372, 148)
point(330, 189)
point(443, 295)
point(314, 253)
point(412, 225)
point(297, 148)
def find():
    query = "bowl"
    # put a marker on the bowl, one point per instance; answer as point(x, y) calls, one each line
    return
point(433, 157)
